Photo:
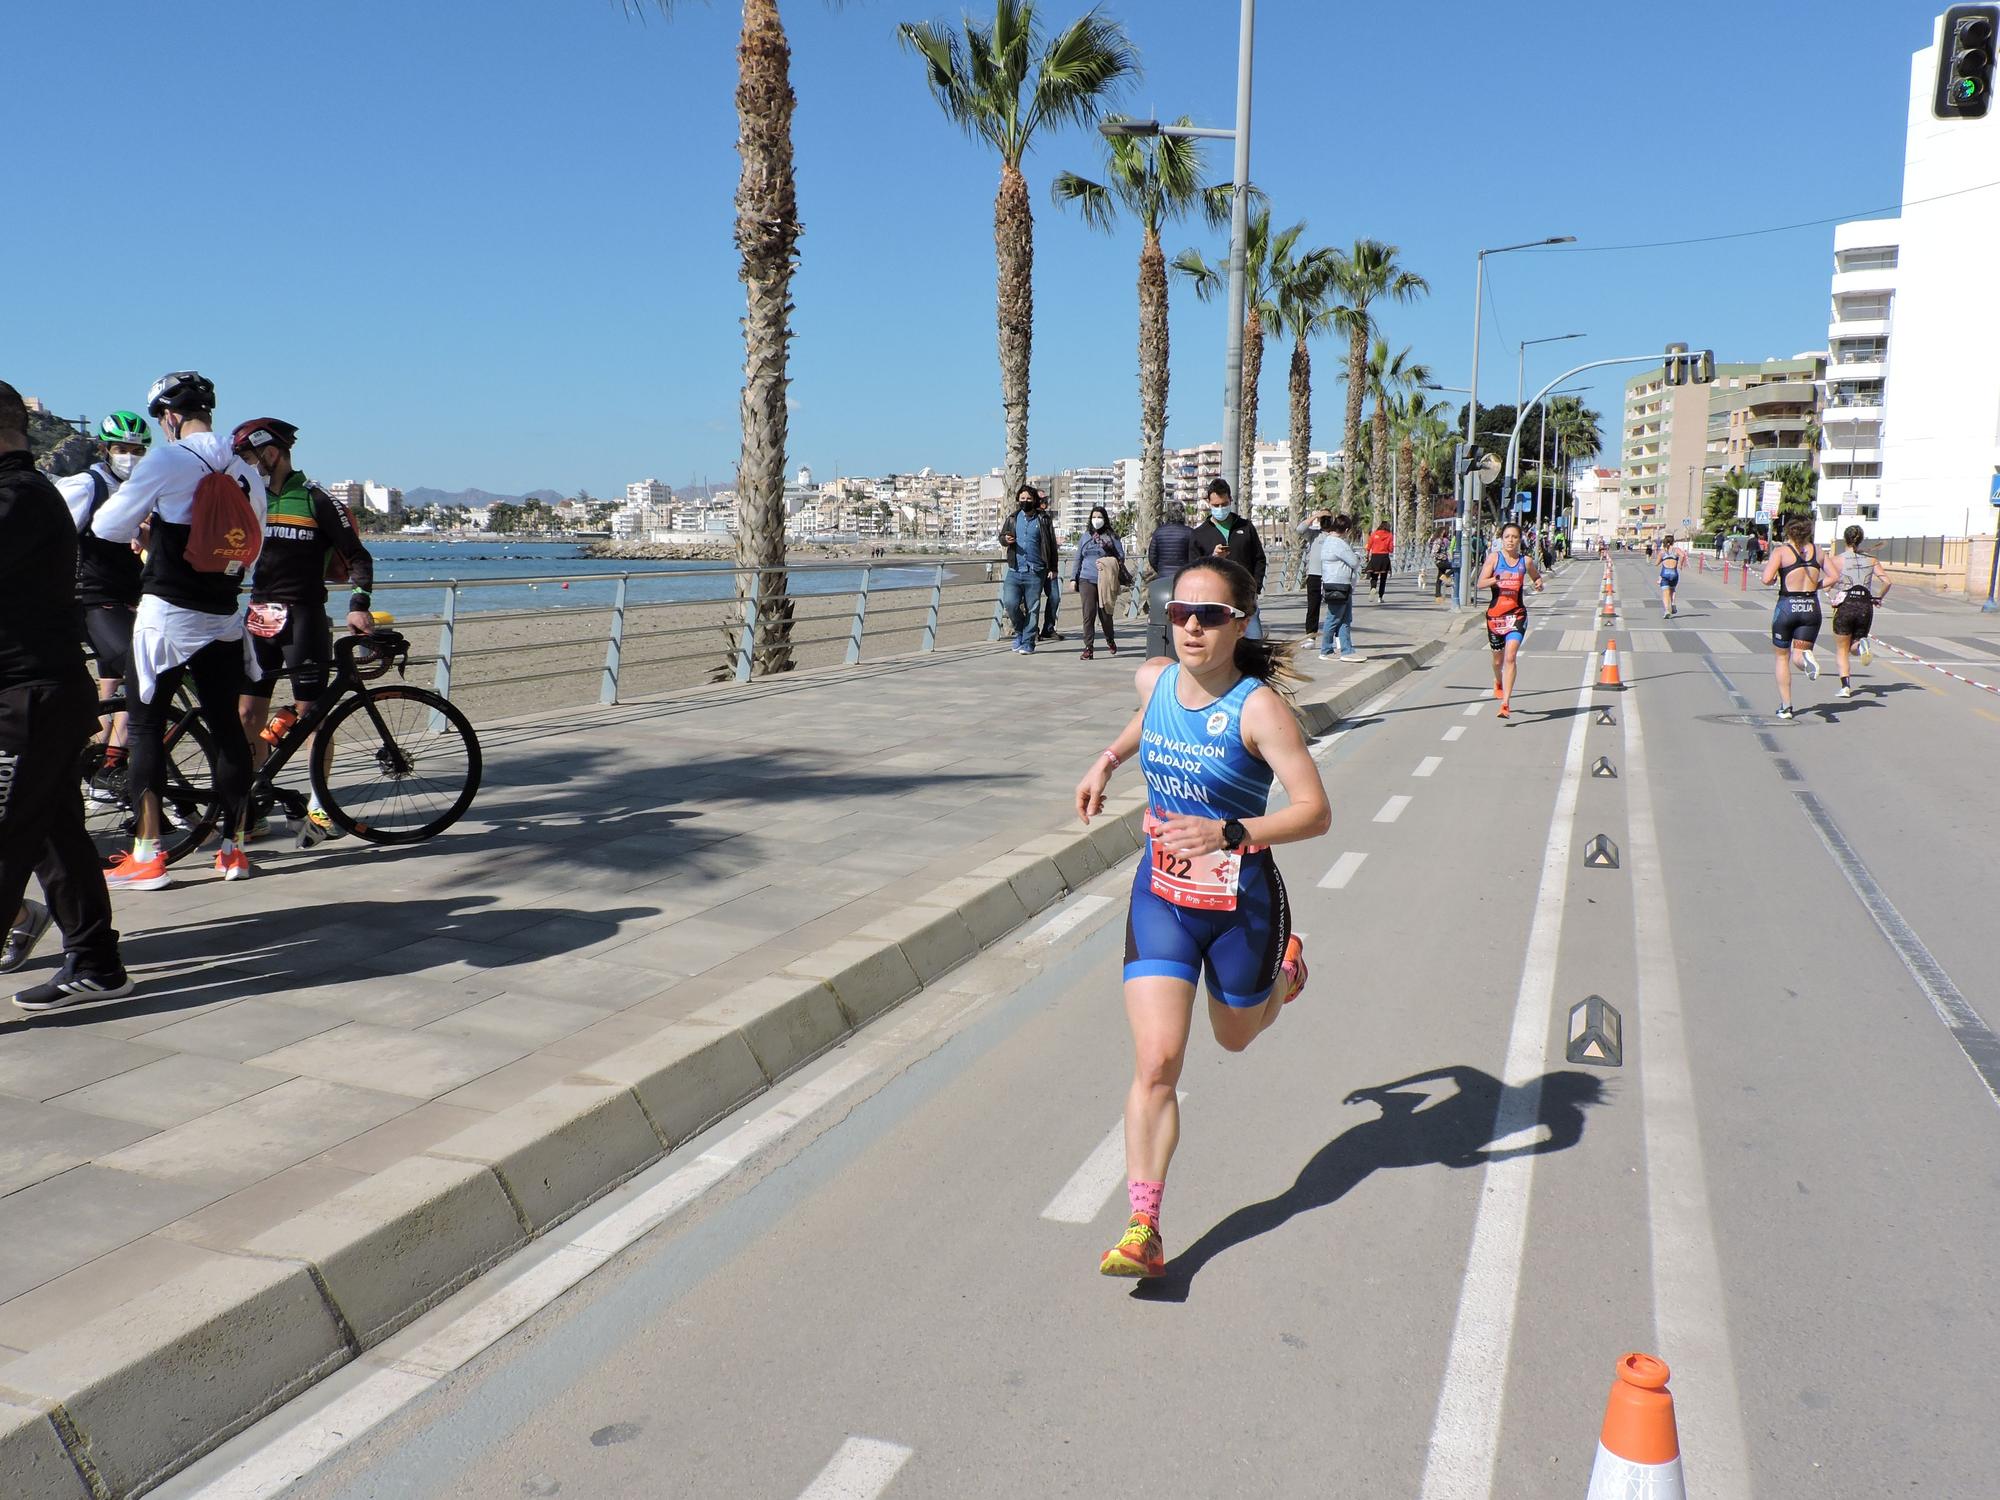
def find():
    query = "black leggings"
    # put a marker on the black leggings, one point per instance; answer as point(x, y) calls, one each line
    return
point(43, 729)
point(217, 671)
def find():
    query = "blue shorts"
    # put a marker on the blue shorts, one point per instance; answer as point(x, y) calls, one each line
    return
point(1238, 951)
point(1669, 579)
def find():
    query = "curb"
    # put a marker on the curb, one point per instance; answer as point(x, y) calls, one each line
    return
point(119, 1404)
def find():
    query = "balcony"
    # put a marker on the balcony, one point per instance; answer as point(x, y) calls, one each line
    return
point(1858, 328)
point(1863, 280)
point(1764, 460)
point(1768, 425)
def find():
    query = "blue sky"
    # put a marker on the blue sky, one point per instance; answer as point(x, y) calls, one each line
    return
point(489, 244)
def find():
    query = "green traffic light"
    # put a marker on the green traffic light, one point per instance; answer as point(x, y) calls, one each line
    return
point(1967, 89)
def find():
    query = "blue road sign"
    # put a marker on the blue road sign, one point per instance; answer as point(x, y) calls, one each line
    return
point(1993, 494)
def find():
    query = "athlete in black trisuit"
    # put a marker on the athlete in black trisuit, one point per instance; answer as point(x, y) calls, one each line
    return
point(1797, 567)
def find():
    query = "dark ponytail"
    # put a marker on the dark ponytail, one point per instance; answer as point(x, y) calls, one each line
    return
point(1268, 661)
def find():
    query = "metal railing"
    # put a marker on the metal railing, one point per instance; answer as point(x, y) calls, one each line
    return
point(626, 624)
point(1920, 551)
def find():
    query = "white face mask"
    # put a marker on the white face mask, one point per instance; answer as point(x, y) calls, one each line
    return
point(1098, 523)
point(122, 464)
point(1220, 512)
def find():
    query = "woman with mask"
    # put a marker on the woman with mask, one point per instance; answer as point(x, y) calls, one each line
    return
point(1100, 543)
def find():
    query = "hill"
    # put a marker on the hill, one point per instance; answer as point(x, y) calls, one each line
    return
point(474, 499)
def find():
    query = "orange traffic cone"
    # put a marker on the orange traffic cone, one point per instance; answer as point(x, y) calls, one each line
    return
point(1607, 675)
point(1610, 606)
point(1639, 1452)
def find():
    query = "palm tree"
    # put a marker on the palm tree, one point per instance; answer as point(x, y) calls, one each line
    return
point(1389, 376)
point(1575, 426)
point(1261, 252)
point(1413, 415)
point(1366, 273)
point(1001, 84)
point(1436, 449)
point(767, 236)
point(1301, 294)
point(1157, 180)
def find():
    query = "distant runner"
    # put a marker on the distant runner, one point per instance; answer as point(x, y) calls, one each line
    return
point(1670, 576)
point(1508, 569)
point(1798, 568)
point(1851, 580)
point(1207, 901)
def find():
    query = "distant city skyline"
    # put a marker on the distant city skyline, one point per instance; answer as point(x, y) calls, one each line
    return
point(481, 294)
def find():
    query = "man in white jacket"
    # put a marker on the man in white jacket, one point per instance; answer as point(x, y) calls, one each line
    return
point(189, 622)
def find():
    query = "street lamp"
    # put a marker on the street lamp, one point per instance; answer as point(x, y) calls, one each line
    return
point(1239, 234)
point(1472, 406)
point(1521, 358)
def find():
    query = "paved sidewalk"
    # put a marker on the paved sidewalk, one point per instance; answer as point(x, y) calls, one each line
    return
point(623, 868)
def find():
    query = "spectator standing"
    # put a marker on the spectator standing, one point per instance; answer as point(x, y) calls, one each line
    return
point(1100, 544)
point(1227, 534)
point(1172, 547)
point(1030, 543)
point(1339, 570)
point(48, 712)
point(1311, 529)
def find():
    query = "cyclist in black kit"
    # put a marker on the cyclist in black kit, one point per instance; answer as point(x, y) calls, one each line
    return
point(308, 537)
point(1795, 621)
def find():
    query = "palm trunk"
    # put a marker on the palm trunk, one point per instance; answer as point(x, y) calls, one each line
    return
point(1014, 251)
point(1378, 463)
point(1357, 380)
point(1253, 370)
point(1301, 394)
point(1153, 376)
point(1406, 503)
point(767, 233)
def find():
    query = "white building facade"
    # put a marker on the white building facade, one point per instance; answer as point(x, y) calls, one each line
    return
point(648, 492)
point(1599, 495)
point(1938, 423)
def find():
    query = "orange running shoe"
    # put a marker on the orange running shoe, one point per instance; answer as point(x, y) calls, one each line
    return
point(1292, 967)
point(1140, 1253)
point(1503, 708)
point(131, 874)
point(232, 865)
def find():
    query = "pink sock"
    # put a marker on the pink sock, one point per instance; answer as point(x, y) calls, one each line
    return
point(1145, 1197)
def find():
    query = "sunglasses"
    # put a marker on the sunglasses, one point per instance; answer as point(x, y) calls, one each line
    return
point(1208, 616)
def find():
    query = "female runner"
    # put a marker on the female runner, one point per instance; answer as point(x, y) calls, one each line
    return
point(1670, 577)
point(1799, 570)
point(1507, 569)
point(1207, 901)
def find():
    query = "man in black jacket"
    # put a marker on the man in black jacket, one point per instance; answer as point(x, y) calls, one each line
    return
point(1230, 535)
point(48, 711)
point(1172, 547)
point(1030, 540)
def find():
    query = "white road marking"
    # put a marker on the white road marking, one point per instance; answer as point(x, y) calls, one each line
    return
point(1343, 871)
point(1428, 765)
point(1378, 703)
point(1466, 1432)
point(860, 1469)
point(1722, 642)
point(1473, 710)
point(1454, 734)
point(1392, 809)
point(1073, 915)
point(1688, 1298)
point(303, 1447)
point(1082, 1198)
point(1325, 746)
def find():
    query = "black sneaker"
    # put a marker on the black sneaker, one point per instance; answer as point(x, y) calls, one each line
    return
point(23, 935)
point(1784, 710)
point(72, 987)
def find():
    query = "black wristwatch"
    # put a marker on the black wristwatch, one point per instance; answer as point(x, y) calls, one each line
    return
point(1233, 834)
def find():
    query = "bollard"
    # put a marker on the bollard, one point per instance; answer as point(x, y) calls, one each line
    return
point(442, 681)
point(607, 691)
point(855, 630)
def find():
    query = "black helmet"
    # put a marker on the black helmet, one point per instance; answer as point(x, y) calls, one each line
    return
point(180, 391)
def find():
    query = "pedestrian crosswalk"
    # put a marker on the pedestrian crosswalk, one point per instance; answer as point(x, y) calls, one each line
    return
point(1685, 640)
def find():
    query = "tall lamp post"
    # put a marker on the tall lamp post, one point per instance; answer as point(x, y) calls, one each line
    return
point(1467, 484)
point(1239, 233)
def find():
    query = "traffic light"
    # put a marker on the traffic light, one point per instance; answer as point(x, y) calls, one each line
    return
point(1704, 368)
point(1683, 368)
point(1677, 364)
point(1965, 62)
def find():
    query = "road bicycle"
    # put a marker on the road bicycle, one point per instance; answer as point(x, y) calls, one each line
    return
point(390, 763)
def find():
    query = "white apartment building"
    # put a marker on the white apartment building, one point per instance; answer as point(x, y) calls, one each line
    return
point(1599, 496)
point(383, 499)
point(1916, 322)
point(348, 493)
point(1076, 492)
point(648, 492)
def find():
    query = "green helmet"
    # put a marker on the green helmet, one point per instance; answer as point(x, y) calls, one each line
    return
point(125, 427)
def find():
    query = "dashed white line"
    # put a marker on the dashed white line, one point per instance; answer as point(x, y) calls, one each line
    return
point(1473, 710)
point(1428, 765)
point(1074, 914)
point(1343, 870)
point(1392, 809)
point(860, 1469)
point(1465, 1435)
point(1454, 734)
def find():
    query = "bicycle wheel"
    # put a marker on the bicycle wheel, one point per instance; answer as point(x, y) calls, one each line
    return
point(396, 765)
point(188, 807)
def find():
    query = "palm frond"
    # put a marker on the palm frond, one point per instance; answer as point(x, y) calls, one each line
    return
point(1207, 280)
point(1080, 71)
point(1093, 200)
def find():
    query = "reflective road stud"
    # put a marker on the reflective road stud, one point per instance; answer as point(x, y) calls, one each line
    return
point(1602, 767)
point(1596, 1033)
point(1600, 854)
point(1639, 1450)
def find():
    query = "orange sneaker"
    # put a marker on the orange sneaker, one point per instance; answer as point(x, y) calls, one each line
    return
point(232, 864)
point(1292, 968)
point(1140, 1253)
point(1503, 708)
point(131, 874)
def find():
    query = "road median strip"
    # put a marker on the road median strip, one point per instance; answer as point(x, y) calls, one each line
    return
point(124, 1400)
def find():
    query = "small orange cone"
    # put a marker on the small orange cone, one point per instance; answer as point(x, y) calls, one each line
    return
point(1607, 675)
point(1639, 1452)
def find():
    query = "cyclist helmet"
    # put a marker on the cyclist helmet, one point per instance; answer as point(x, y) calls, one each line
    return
point(262, 432)
point(180, 391)
point(125, 427)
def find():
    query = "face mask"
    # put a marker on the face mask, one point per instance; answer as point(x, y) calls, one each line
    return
point(122, 464)
point(1098, 523)
point(1220, 512)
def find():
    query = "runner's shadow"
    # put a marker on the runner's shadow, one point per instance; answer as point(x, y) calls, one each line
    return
point(1463, 1129)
